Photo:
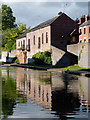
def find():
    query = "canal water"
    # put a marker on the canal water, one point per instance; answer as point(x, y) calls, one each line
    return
point(32, 94)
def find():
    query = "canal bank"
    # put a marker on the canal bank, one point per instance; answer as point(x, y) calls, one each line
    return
point(75, 72)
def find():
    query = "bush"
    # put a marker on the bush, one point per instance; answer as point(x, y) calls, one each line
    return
point(16, 60)
point(43, 58)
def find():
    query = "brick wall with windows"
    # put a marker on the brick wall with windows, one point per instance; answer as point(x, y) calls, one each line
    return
point(20, 44)
point(84, 36)
point(39, 40)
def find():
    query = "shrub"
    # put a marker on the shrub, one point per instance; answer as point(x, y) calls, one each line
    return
point(43, 58)
point(16, 60)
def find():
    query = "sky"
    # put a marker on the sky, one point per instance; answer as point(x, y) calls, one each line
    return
point(33, 13)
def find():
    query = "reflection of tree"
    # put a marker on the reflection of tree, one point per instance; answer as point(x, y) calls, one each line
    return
point(9, 95)
point(0, 94)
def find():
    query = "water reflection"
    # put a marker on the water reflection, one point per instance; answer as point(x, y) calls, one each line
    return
point(60, 95)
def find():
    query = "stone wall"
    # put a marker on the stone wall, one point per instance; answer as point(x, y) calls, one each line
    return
point(10, 58)
point(12, 53)
point(60, 57)
point(82, 50)
point(4, 55)
point(73, 49)
point(84, 57)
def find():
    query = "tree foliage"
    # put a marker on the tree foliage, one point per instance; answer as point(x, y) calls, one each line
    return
point(10, 36)
point(10, 30)
point(8, 20)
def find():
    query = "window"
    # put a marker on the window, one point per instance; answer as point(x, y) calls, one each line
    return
point(89, 40)
point(28, 46)
point(28, 42)
point(80, 31)
point(42, 38)
point(84, 30)
point(84, 40)
point(46, 37)
point(39, 43)
point(21, 43)
point(24, 43)
point(80, 41)
point(34, 40)
point(18, 44)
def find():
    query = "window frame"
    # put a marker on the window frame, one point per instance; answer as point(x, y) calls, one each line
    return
point(46, 37)
point(84, 30)
point(42, 38)
point(39, 45)
point(34, 39)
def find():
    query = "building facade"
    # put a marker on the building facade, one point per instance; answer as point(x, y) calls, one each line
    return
point(84, 30)
point(57, 32)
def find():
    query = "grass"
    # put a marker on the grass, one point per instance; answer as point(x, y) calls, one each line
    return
point(76, 68)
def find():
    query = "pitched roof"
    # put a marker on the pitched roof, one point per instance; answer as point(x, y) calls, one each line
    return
point(44, 24)
point(85, 23)
point(41, 25)
point(23, 35)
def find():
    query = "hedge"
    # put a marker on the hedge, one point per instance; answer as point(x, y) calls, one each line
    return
point(43, 58)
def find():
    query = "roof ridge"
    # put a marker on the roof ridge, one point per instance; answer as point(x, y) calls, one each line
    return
point(44, 24)
point(85, 23)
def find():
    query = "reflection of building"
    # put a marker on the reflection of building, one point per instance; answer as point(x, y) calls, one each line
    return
point(39, 86)
point(39, 92)
point(84, 88)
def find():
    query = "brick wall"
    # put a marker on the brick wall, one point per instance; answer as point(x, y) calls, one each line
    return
point(38, 34)
point(22, 57)
point(60, 31)
point(83, 36)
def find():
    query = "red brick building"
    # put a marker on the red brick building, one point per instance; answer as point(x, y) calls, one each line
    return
point(57, 32)
point(84, 30)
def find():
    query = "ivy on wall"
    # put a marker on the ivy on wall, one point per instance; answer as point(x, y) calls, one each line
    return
point(79, 57)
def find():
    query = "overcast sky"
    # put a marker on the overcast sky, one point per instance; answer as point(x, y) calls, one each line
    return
point(33, 13)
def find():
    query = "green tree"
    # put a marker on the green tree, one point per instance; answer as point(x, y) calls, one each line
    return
point(10, 31)
point(10, 36)
point(8, 20)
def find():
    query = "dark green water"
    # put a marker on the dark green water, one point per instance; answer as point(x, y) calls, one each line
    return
point(30, 93)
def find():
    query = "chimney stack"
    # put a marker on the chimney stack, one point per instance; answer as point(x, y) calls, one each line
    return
point(87, 17)
point(82, 19)
point(59, 13)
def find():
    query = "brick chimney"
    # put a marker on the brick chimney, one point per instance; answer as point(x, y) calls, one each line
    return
point(82, 19)
point(59, 13)
point(87, 17)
